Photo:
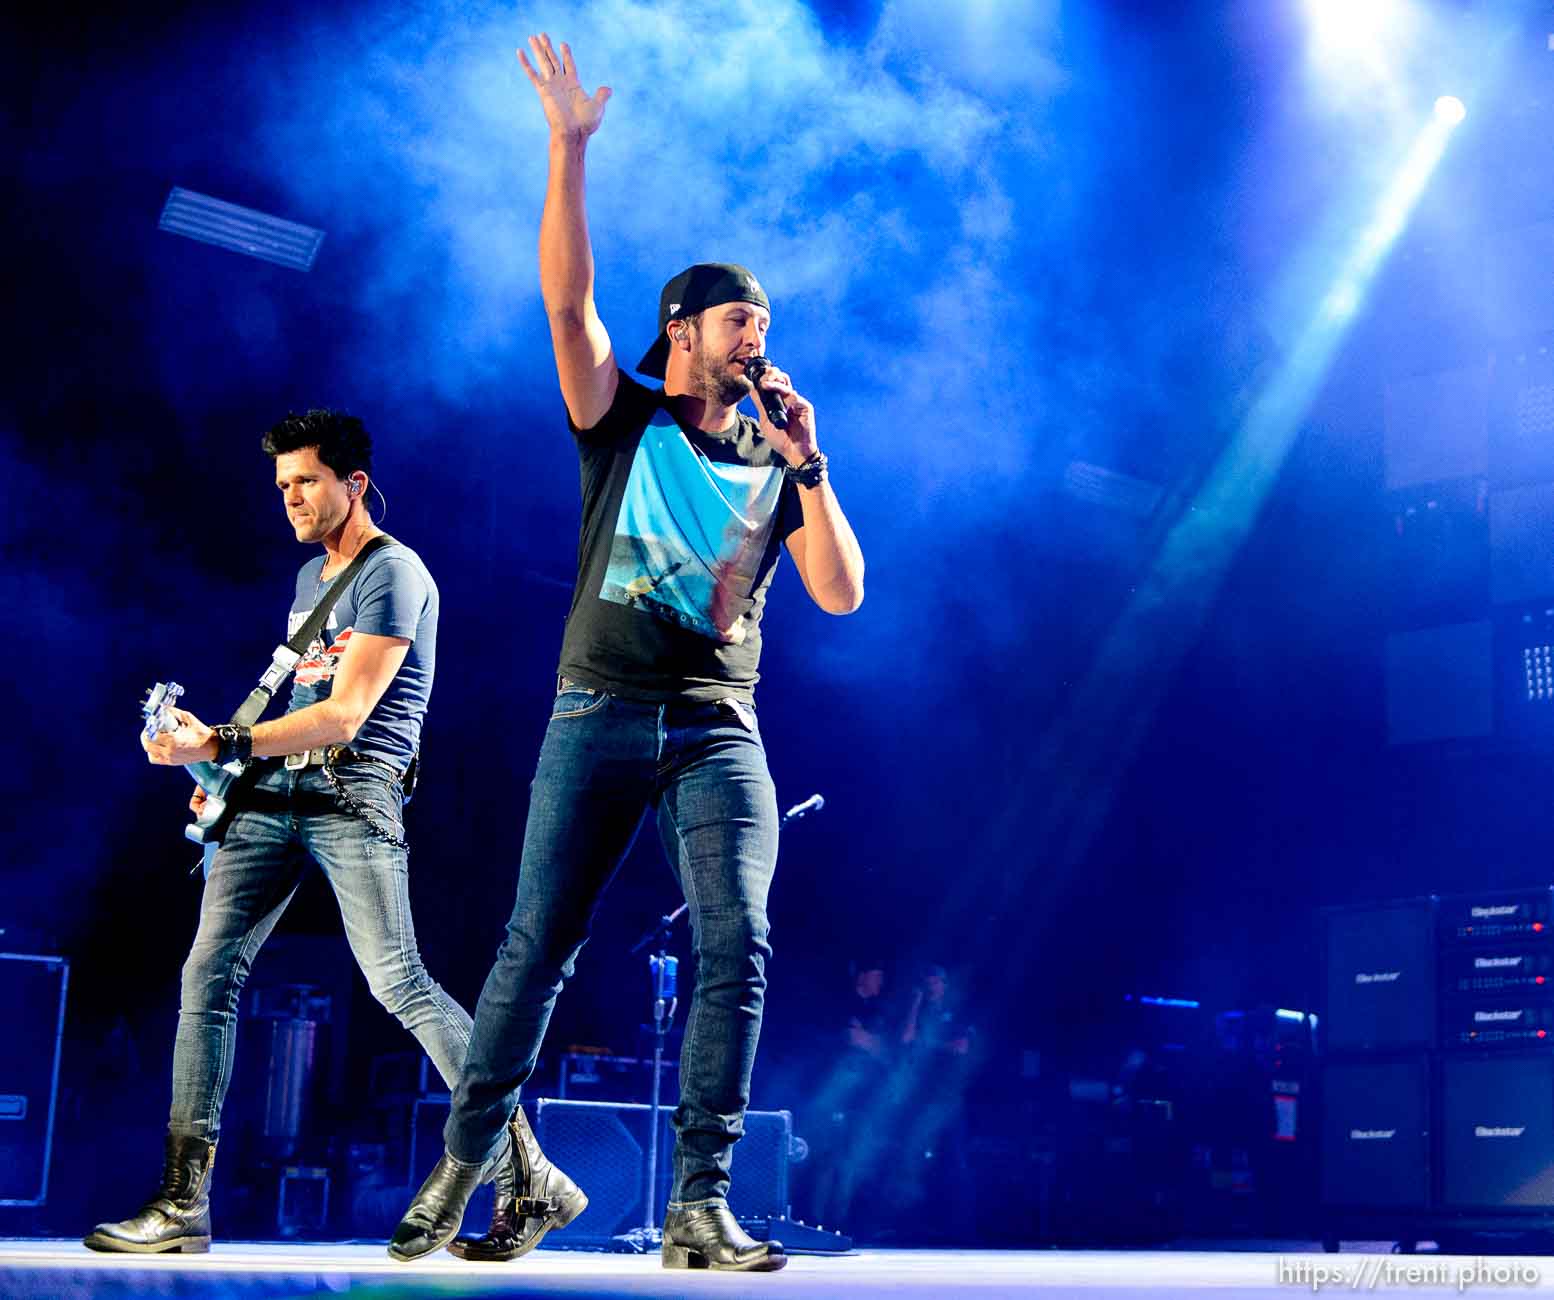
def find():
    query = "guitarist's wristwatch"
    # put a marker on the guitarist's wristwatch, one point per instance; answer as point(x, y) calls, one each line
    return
point(234, 744)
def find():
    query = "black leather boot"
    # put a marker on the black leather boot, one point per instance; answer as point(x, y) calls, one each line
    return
point(437, 1211)
point(532, 1197)
point(707, 1236)
point(177, 1218)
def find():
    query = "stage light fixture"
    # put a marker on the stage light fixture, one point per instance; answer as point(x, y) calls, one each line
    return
point(1097, 485)
point(240, 230)
point(1538, 668)
point(1450, 109)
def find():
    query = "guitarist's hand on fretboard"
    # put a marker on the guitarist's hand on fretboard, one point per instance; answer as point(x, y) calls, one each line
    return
point(173, 737)
point(191, 741)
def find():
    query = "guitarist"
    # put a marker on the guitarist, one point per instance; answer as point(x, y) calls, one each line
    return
point(329, 785)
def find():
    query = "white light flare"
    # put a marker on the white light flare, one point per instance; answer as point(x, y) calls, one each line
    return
point(1450, 109)
point(1359, 54)
point(1354, 25)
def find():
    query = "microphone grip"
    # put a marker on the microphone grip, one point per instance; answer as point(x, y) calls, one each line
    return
point(771, 402)
point(776, 412)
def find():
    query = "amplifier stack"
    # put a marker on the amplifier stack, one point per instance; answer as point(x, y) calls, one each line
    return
point(1496, 955)
point(1438, 1083)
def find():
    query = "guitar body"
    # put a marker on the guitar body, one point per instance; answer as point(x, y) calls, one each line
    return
point(210, 827)
point(220, 783)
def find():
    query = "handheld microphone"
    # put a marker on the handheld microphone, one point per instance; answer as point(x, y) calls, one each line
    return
point(776, 412)
point(813, 804)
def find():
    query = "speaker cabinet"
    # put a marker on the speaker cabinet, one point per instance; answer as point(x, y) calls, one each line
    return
point(1380, 976)
point(32, 1020)
point(1497, 1133)
point(1376, 1135)
point(603, 1146)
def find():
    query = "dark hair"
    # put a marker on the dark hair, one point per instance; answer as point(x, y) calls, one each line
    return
point(342, 441)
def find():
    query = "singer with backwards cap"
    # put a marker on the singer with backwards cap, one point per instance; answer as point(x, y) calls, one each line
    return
point(686, 502)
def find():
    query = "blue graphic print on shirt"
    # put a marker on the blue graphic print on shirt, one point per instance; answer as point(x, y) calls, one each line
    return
point(691, 534)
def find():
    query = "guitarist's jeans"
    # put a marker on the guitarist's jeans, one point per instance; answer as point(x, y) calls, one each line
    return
point(605, 761)
point(287, 816)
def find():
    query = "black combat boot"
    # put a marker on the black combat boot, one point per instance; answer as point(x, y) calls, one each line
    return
point(706, 1235)
point(177, 1218)
point(438, 1209)
point(532, 1197)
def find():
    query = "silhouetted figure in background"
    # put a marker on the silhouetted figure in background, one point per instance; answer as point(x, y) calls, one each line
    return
point(933, 1020)
point(935, 1071)
point(851, 1105)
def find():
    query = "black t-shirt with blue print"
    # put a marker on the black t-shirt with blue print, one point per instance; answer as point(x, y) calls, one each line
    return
point(681, 533)
point(393, 595)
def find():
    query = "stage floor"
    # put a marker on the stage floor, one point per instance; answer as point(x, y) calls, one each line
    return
point(60, 1269)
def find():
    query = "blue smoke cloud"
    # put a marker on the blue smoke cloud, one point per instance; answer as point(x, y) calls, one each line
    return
point(873, 187)
point(892, 187)
point(996, 238)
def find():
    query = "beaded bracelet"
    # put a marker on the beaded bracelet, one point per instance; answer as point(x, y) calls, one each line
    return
point(812, 473)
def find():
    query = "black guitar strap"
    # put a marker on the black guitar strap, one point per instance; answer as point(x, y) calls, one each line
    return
point(287, 656)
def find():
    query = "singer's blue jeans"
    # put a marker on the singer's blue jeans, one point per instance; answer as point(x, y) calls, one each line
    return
point(606, 761)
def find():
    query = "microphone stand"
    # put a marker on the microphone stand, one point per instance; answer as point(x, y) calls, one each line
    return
point(664, 970)
point(813, 804)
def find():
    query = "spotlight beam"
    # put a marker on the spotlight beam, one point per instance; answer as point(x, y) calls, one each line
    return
point(1078, 766)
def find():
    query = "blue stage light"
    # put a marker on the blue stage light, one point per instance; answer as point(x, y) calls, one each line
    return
point(241, 230)
point(1450, 109)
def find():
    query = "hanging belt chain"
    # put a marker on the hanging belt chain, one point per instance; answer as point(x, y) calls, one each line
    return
point(355, 806)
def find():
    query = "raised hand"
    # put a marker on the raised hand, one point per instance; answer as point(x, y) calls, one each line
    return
point(569, 109)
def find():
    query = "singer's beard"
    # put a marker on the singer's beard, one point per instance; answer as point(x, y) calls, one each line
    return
point(712, 381)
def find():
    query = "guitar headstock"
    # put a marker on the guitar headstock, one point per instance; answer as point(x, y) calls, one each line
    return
point(157, 709)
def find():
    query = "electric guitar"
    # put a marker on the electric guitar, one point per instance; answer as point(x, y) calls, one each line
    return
point(209, 827)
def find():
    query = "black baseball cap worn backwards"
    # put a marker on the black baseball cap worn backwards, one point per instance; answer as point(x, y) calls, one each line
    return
point(707, 284)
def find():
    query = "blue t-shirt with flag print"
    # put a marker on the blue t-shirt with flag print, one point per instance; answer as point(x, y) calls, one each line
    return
point(393, 595)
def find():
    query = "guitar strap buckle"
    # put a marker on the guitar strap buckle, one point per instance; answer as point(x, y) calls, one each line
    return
point(282, 661)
